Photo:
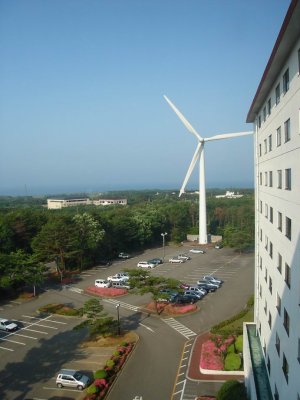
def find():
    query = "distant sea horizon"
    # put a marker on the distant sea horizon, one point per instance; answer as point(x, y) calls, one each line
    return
point(46, 190)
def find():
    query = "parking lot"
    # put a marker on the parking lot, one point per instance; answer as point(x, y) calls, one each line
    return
point(45, 344)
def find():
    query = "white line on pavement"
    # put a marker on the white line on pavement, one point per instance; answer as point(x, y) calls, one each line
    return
point(147, 327)
point(5, 348)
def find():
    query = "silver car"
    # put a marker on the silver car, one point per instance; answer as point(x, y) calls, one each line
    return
point(72, 378)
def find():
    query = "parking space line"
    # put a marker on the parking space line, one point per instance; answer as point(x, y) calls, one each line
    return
point(29, 337)
point(64, 389)
point(12, 341)
point(33, 330)
point(45, 326)
point(5, 348)
point(57, 322)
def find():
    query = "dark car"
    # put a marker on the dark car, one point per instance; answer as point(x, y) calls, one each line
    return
point(212, 279)
point(184, 299)
point(155, 261)
point(207, 286)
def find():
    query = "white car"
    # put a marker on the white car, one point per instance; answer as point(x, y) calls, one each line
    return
point(121, 276)
point(184, 257)
point(145, 264)
point(176, 260)
point(197, 251)
point(72, 378)
point(124, 255)
point(7, 325)
point(102, 283)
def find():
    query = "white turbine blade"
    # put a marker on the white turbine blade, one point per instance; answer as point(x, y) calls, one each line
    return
point(228, 136)
point(191, 167)
point(183, 119)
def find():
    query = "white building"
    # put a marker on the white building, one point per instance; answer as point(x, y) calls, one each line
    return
point(276, 118)
point(229, 195)
point(55, 204)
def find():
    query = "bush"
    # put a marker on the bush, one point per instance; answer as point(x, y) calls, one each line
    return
point(231, 348)
point(100, 374)
point(232, 390)
point(110, 363)
point(232, 362)
point(92, 389)
point(239, 344)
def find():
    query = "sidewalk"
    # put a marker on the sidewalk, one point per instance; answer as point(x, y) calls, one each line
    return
point(194, 364)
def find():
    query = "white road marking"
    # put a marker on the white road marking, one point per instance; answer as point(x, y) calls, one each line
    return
point(180, 328)
point(147, 327)
point(5, 348)
point(124, 305)
point(29, 337)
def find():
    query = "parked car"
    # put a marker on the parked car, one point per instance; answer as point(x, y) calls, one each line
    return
point(199, 290)
point(124, 255)
point(217, 285)
point(176, 260)
point(121, 284)
point(7, 325)
point(184, 257)
point(197, 251)
point(120, 276)
point(184, 286)
point(145, 264)
point(167, 294)
point(72, 378)
point(210, 287)
point(213, 279)
point(182, 299)
point(218, 245)
point(102, 283)
point(196, 295)
point(155, 261)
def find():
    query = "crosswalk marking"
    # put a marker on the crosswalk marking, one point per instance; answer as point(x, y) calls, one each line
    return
point(180, 328)
point(124, 305)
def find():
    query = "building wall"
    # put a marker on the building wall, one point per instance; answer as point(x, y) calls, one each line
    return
point(273, 244)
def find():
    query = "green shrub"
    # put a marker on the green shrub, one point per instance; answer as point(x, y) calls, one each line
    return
point(232, 390)
point(231, 348)
point(239, 344)
point(124, 344)
point(250, 302)
point(232, 362)
point(110, 363)
point(92, 389)
point(100, 374)
point(116, 353)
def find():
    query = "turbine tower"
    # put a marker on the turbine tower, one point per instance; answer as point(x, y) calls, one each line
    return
point(199, 153)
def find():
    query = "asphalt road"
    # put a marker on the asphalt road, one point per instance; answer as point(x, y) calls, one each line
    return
point(29, 363)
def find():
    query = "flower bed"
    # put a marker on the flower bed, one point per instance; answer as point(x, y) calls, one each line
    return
point(170, 308)
point(213, 351)
point(105, 292)
point(104, 378)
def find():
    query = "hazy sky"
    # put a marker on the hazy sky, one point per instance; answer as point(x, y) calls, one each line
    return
point(81, 86)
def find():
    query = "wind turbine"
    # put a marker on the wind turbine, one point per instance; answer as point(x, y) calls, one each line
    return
point(199, 153)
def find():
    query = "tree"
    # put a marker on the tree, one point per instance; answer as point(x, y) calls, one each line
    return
point(89, 234)
point(232, 390)
point(97, 321)
point(56, 240)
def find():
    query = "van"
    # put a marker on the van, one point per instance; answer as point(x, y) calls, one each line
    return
point(102, 283)
point(120, 285)
point(72, 378)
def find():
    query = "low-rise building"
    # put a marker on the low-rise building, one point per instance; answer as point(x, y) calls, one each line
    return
point(57, 204)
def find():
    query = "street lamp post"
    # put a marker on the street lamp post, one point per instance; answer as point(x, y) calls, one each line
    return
point(163, 236)
point(118, 314)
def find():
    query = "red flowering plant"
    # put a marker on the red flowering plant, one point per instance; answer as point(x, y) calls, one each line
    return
point(213, 352)
point(109, 292)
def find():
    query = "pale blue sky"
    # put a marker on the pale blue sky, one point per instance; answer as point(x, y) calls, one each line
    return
point(81, 86)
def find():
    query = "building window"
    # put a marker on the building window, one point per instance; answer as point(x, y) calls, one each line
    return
point(260, 262)
point(288, 179)
point(271, 215)
point(266, 145)
point(266, 242)
point(260, 235)
point(270, 320)
point(287, 130)
point(266, 274)
point(271, 250)
point(287, 277)
point(269, 365)
point(260, 206)
point(298, 358)
point(285, 368)
point(266, 179)
point(270, 285)
point(269, 106)
point(259, 121)
point(260, 150)
point(260, 291)
point(276, 394)
point(270, 142)
point(271, 178)
point(286, 81)
point(288, 228)
point(279, 221)
point(279, 179)
point(277, 94)
point(278, 136)
point(265, 307)
point(266, 210)
point(260, 178)
point(278, 304)
point(277, 343)
point(279, 262)
point(286, 321)
point(265, 113)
